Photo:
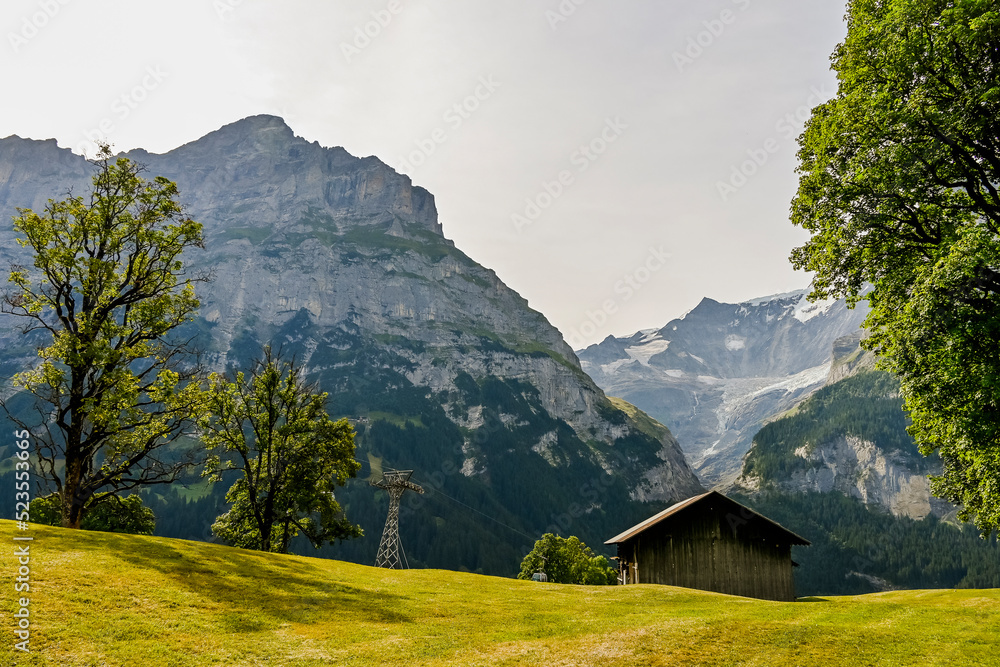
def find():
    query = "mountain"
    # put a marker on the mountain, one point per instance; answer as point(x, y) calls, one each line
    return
point(342, 262)
point(848, 437)
point(715, 375)
point(840, 469)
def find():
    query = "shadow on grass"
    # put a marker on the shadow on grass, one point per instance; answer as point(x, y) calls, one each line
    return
point(286, 592)
point(812, 599)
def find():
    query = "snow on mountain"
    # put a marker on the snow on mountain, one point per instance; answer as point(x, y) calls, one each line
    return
point(807, 310)
point(715, 375)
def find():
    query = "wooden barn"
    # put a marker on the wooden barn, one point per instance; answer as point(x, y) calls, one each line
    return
point(711, 543)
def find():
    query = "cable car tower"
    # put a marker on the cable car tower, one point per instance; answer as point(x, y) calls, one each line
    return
point(396, 482)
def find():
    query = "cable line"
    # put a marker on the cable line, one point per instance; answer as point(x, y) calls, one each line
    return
point(439, 491)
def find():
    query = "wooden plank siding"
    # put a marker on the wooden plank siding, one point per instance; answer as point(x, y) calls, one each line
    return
point(714, 544)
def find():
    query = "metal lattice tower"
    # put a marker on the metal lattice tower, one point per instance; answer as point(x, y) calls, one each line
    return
point(396, 482)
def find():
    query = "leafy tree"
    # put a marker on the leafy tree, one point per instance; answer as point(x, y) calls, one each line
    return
point(567, 561)
point(118, 515)
point(899, 190)
point(106, 287)
point(273, 427)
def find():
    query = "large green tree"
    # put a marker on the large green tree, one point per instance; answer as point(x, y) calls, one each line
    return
point(272, 427)
point(567, 561)
point(899, 190)
point(105, 290)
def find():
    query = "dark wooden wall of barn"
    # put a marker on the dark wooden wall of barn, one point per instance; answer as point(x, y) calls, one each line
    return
point(708, 552)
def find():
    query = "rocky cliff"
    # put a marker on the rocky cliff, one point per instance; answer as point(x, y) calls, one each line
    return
point(848, 437)
point(342, 261)
point(849, 358)
point(860, 469)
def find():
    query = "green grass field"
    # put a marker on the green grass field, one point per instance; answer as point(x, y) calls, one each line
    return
point(104, 599)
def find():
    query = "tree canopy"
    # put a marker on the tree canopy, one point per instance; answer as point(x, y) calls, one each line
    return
point(898, 189)
point(567, 561)
point(105, 289)
point(273, 428)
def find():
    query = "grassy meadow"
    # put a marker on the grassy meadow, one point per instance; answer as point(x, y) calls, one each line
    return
point(106, 599)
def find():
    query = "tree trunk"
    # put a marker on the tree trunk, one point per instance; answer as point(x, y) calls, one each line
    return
point(72, 498)
point(72, 504)
point(266, 526)
point(284, 537)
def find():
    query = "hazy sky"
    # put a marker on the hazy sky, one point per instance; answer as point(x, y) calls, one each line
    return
point(583, 149)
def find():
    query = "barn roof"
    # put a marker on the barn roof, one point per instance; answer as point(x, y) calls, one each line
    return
point(679, 508)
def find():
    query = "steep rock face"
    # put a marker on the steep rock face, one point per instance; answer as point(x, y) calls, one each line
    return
point(849, 358)
point(861, 469)
point(715, 375)
point(32, 172)
point(342, 261)
point(848, 437)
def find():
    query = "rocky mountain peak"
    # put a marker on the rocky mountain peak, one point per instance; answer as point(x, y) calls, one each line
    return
point(263, 133)
point(256, 174)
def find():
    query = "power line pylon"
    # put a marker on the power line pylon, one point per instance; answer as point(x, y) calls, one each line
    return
point(395, 482)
